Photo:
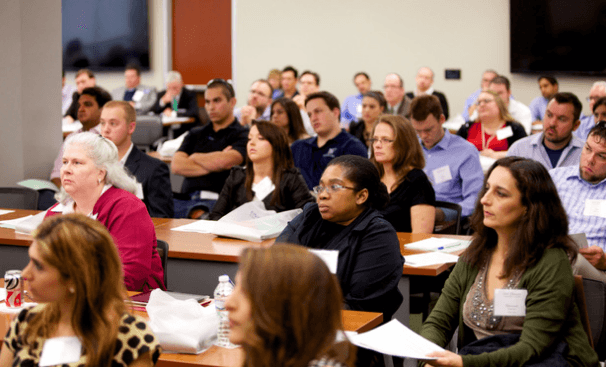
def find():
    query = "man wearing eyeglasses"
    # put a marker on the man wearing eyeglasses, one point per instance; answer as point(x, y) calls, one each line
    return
point(582, 189)
point(452, 164)
point(556, 146)
point(258, 105)
point(597, 91)
point(395, 95)
point(209, 152)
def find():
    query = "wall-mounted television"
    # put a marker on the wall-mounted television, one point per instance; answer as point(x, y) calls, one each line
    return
point(558, 36)
point(105, 35)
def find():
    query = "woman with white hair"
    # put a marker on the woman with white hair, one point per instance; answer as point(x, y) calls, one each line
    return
point(94, 183)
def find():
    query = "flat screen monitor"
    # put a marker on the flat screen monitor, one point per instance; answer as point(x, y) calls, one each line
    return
point(558, 36)
point(105, 35)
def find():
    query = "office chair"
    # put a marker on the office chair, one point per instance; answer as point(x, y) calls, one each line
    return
point(595, 297)
point(449, 227)
point(147, 132)
point(18, 198)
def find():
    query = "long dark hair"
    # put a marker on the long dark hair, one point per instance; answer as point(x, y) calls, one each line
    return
point(281, 154)
point(544, 225)
point(296, 130)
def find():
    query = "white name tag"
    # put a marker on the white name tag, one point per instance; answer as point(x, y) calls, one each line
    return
point(504, 133)
point(441, 174)
point(62, 350)
point(139, 191)
point(330, 257)
point(595, 208)
point(138, 95)
point(510, 302)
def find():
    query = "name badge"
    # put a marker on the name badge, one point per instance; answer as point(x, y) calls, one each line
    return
point(330, 258)
point(139, 191)
point(504, 133)
point(138, 95)
point(510, 302)
point(595, 208)
point(62, 350)
point(441, 174)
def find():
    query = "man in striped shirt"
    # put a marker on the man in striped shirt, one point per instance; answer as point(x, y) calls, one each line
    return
point(582, 189)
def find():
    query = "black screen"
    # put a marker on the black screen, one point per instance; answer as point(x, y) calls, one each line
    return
point(104, 35)
point(558, 36)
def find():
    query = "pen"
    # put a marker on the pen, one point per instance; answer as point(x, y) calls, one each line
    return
point(449, 246)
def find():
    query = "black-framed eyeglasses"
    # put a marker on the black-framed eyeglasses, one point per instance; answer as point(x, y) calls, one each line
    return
point(384, 141)
point(330, 189)
point(224, 83)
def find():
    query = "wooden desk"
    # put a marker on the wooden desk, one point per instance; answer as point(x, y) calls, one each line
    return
point(163, 158)
point(175, 122)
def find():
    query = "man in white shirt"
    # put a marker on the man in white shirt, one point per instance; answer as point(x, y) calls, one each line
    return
point(519, 111)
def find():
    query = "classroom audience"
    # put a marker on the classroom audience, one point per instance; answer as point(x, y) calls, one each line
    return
point(288, 82)
point(94, 183)
point(84, 79)
point(519, 111)
point(258, 104)
point(177, 100)
point(397, 154)
point(75, 276)
point(351, 109)
point(549, 87)
point(141, 97)
point(285, 114)
point(424, 81)
point(346, 218)
point(209, 152)
point(269, 175)
point(291, 318)
point(373, 105)
point(521, 244)
point(495, 130)
point(597, 91)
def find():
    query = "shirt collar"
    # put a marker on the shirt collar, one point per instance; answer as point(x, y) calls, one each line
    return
point(123, 160)
point(442, 144)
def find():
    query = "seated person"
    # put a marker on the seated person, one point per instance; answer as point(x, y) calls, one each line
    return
point(494, 131)
point(176, 98)
point(520, 243)
point(597, 91)
point(273, 78)
point(74, 274)
point(285, 114)
point(257, 106)
point(312, 155)
point(351, 110)
point(397, 154)
point(270, 175)
point(451, 162)
point(398, 102)
point(346, 219)
point(141, 97)
point(582, 188)
point(549, 87)
point(373, 105)
point(424, 81)
point(470, 102)
point(209, 152)
point(301, 284)
point(118, 123)
point(84, 79)
point(94, 183)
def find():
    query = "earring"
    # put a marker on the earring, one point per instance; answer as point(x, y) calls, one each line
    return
point(72, 290)
point(99, 181)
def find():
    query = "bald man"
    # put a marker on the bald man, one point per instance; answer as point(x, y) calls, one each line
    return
point(424, 82)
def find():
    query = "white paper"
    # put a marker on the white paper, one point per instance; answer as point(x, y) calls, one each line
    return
point(61, 350)
point(429, 258)
point(595, 208)
point(181, 326)
point(504, 133)
point(441, 174)
point(580, 239)
point(486, 162)
point(37, 184)
point(10, 223)
point(28, 225)
point(3, 211)
point(330, 257)
point(173, 120)
point(2, 294)
point(510, 302)
point(434, 244)
point(169, 147)
point(395, 339)
point(71, 127)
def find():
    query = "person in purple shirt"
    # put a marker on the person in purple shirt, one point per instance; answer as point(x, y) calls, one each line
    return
point(352, 106)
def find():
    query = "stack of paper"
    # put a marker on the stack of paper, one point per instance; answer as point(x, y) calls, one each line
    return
point(395, 339)
point(4, 211)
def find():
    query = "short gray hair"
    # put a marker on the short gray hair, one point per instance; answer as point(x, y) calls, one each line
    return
point(600, 83)
point(104, 155)
point(173, 76)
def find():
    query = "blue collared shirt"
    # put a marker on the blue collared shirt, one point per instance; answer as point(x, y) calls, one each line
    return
point(574, 193)
point(311, 160)
point(538, 107)
point(468, 102)
point(351, 109)
point(531, 147)
point(462, 160)
point(587, 122)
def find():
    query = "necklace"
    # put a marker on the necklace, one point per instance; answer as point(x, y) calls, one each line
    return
point(481, 312)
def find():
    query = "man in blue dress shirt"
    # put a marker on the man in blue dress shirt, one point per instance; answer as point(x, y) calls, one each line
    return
point(549, 87)
point(470, 102)
point(352, 106)
point(597, 91)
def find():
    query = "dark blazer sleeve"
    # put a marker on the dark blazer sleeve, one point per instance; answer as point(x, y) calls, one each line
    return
point(230, 196)
point(158, 107)
point(189, 103)
point(443, 102)
point(294, 190)
point(464, 130)
point(73, 108)
point(518, 132)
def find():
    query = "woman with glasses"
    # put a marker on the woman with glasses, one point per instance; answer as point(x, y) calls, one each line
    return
point(270, 175)
point(495, 130)
point(373, 105)
point(397, 153)
point(286, 115)
point(346, 219)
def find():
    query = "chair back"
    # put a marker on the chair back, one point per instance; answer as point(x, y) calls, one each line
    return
point(449, 227)
point(18, 198)
point(148, 130)
point(595, 297)
point(162, 248)
point(579, 296)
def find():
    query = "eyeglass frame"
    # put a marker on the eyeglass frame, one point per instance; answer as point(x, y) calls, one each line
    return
point(383, 141)
point(330, 189)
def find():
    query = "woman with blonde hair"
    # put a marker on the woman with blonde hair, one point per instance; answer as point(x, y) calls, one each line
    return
point(495, 130)
point(291, 318)
point(75, 275)
point(397, 154)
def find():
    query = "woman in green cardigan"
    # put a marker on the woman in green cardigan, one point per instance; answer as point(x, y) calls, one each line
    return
point(521, 250)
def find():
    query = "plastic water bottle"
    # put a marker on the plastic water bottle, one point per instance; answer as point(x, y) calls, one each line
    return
point(223, 291)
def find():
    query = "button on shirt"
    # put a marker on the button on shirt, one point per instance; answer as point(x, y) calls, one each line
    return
point(462, 160)
point(574, 193)
point(531, 147)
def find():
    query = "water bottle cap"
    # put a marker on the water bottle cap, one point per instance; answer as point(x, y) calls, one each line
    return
point(224, 278)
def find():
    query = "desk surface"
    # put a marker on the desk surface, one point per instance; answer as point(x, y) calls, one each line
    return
point(166, 159)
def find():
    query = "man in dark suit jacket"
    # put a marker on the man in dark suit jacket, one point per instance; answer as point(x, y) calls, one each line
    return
point(424, 81)
point(118, 122)
point(185, 100)
point(397, 101)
